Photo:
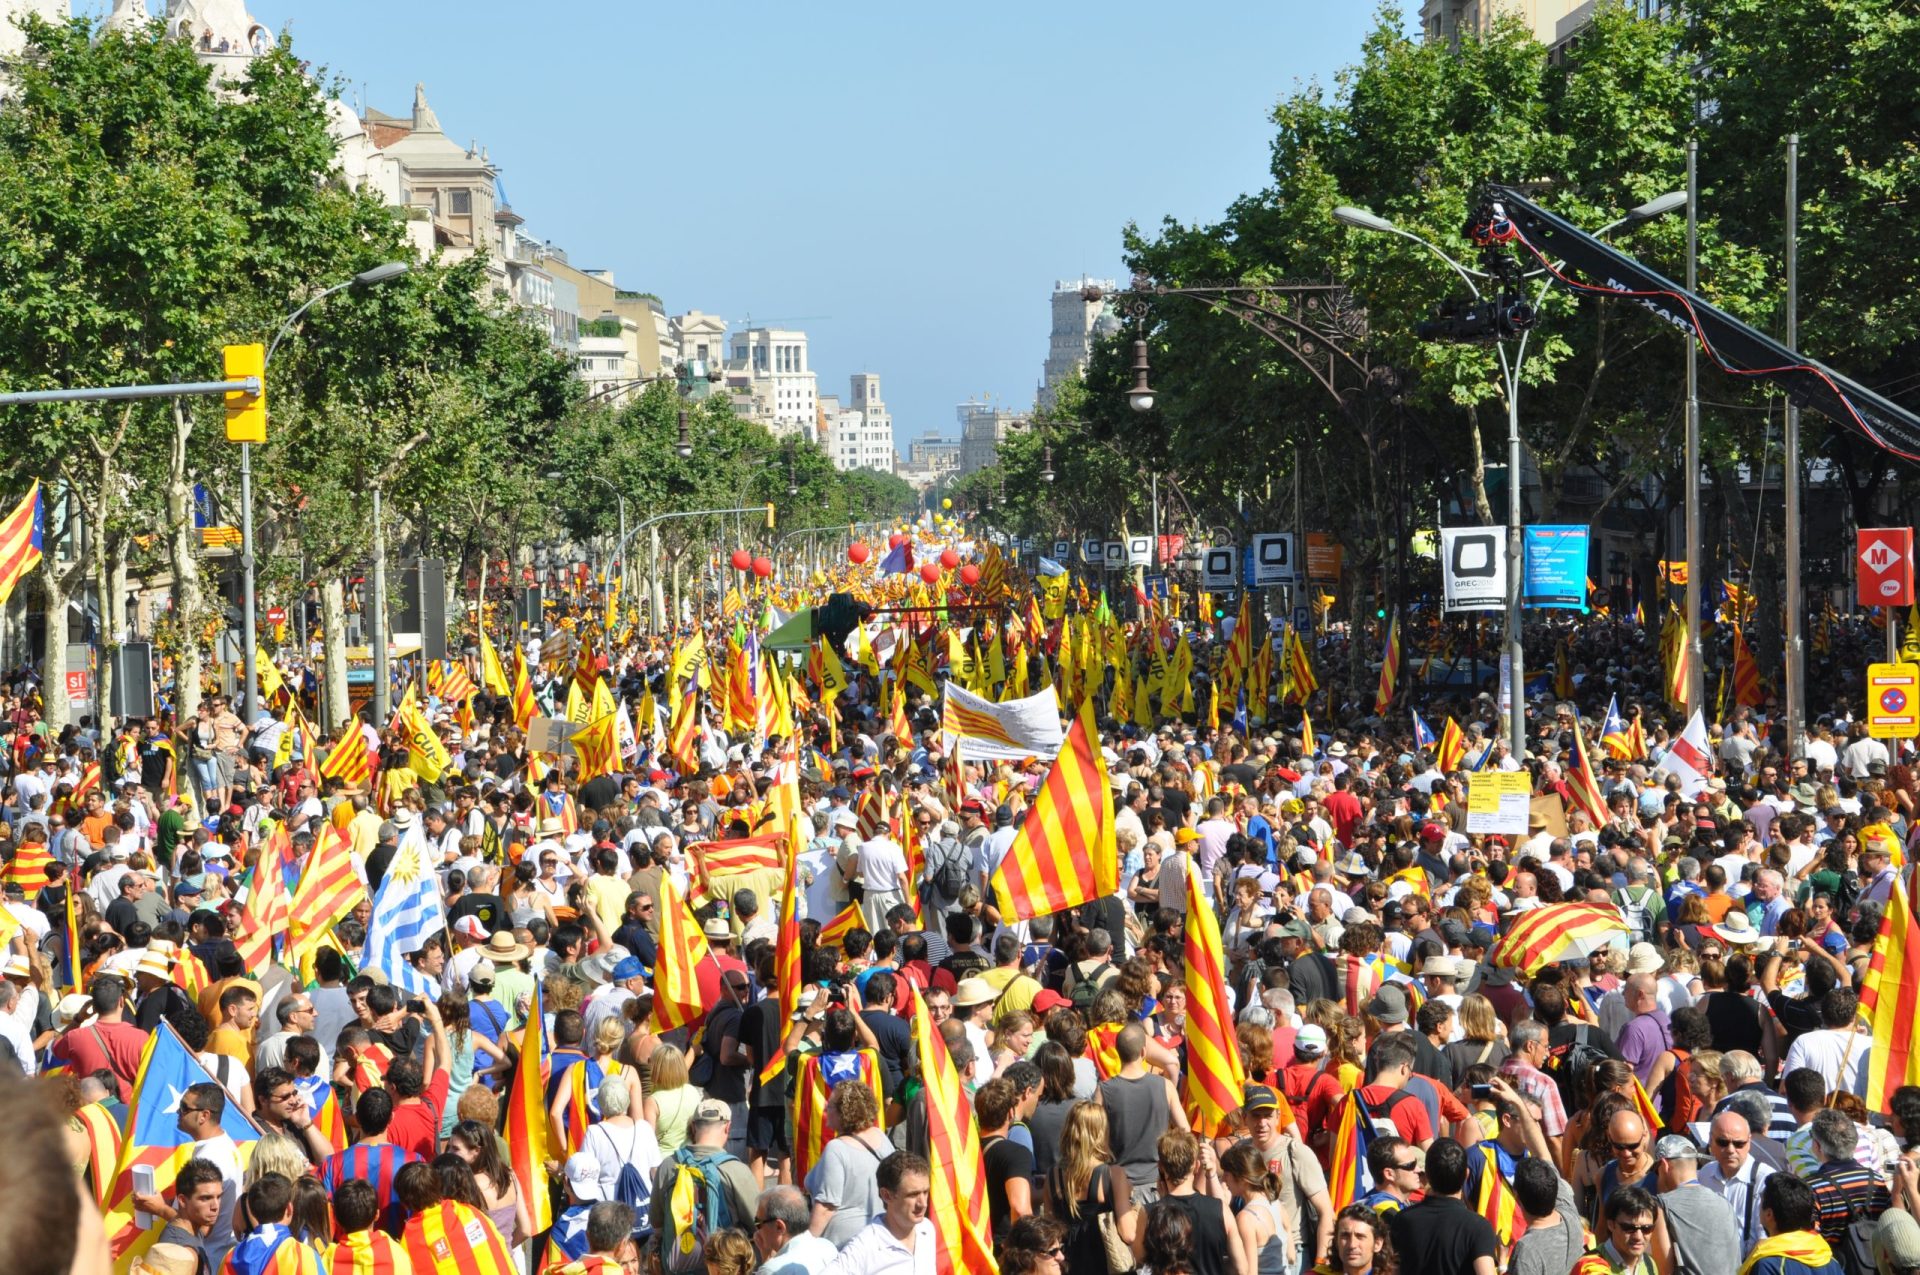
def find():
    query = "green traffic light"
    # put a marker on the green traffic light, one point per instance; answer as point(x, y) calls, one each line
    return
point(1219, 614)
point(1379, 615)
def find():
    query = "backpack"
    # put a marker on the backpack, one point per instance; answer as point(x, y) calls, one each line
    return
point(1637, 912)
point(1381, 1121)
point(1846, 896)
point(1086, 987)
point(697, 1206)
point(631, 1187)
point(949, 872)
point(1572, 1059)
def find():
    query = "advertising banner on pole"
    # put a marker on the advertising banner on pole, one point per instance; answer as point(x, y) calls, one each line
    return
point(1473, 568)
point(1555, 572)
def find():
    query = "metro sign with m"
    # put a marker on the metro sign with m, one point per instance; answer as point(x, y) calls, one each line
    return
point(1886, 566)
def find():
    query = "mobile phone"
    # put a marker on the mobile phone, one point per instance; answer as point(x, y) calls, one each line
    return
point(1481, 1091)
point(143, 1184)
point(416, 1006)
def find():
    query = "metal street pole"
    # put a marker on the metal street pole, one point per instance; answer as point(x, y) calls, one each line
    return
point(656, 586)
point(377, 624)
point(1516, 652)
point(249, 634)
point(1796, 706)
point(1696, 671)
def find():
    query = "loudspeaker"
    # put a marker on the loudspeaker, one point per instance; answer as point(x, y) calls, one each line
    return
point(433, 608)
point(132, 680)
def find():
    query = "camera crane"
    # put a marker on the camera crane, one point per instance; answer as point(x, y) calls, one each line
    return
point(1589, 266)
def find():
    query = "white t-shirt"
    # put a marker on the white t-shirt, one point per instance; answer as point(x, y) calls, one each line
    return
point(636, 1145)
point(1824, 1051)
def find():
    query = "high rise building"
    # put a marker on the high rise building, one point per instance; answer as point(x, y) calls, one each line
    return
point(1449, 20)
point(768, 370)
point(1077, 323)
point(982, 429)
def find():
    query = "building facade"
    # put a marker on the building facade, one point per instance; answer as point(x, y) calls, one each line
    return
point(983, 427)
point(1077, 323)
point(862, 431)
point(767, 369)
point(1449, 20)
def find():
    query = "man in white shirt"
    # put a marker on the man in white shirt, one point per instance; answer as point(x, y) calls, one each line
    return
point(1835, 1051)
point(1735, 1176)
point(901, 1240)
point(1861, 753)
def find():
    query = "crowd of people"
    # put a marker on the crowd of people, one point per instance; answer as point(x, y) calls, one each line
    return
point(1684, 1094)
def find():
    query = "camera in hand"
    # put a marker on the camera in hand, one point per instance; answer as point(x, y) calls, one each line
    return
point(416, 1006)
point(1482, 1091)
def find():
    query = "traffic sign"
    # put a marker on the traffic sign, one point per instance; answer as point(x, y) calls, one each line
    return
point(276, 615)
point(1300, 620)
point(1885, 555)
point(1893, 700)
point(1156, 587)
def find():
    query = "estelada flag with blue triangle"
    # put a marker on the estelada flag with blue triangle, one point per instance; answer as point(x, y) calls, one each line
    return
point(1423, 736)
point(154, 1137)
point(1613, 732)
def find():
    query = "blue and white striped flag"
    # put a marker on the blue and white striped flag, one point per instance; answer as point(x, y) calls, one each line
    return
point(406, 913)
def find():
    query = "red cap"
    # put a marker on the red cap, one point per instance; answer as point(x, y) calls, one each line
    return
point(1048, 1000)
point(1432, 832)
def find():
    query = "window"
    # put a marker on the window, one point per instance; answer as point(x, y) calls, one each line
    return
point(462, 202)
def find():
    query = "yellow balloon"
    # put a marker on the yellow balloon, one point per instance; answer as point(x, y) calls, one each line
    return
point(947, 503)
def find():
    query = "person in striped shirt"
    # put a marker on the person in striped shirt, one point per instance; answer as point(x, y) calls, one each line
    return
point(363, 1249)
point(373, 1159)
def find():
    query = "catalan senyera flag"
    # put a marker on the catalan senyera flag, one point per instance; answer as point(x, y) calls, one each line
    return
point(351, 761)
point(524, 709)
point(957, 1202)
point(1240, 645)
point(1301, 683)
point(1678, 650)
point(328, 889)
point(683, 734)
point(29, 868)
point(267, 914)
point(1563, 671)
point(1064, 854)
point(1389, 667)
point(1746, 672)
point(20, 539)
point(1496, 1202)
point(1890, 999)
point(369, 1252)
point(1453, 746)
point(454, 1237)
point(1215, 1081)
point(1582, 782)
point(1307, 741)
point(838, 925)
point(527, 1123)
point(676, 984)
point(1541, 936)
point(788, 975)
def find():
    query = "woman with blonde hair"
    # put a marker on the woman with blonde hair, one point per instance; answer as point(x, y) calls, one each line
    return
point(670, 1104)
point(1482, 1036)
point(1083, 1184)
point(1012, 1037)
point(581, 1087)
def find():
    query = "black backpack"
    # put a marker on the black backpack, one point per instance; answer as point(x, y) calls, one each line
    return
point(1572, 1059)
point(949, 868)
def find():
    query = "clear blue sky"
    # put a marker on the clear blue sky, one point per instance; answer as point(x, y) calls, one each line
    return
point(920, 174)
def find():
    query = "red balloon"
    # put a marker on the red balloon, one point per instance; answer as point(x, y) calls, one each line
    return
point(970, 574)
point(949, 559)
point(895, 540)
point(859, 553)
point(742, 560)
point(930, 573)
point(762, 567)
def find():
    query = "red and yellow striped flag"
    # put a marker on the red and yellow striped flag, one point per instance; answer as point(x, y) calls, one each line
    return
point(958, 1198)
point(1890, 999)
point(1064, 854)
point(1583, 783)
point(328, 889)
point(682, 733)
point(786, 958)
point(1453, 746)
point(29, 869)
point(837, 926)
point(266, 914)
point(1542, 936)
point(1215, 1079)
point(527, 1124)
point(1389, 667)
point(20, 541)
point(523, 706)
point(1746, 673)
point(350, 761)
point(676, 983)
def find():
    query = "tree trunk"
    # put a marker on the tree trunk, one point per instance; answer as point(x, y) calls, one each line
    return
point(53, 660)
point(333, 625)
point(1482, 507)
point(113, 623)
point(187, 600)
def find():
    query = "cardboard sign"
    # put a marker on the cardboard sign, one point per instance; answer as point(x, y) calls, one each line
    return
point(1553, 810)
point(552, 735)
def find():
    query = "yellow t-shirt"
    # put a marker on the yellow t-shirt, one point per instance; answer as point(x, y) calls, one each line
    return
point(232, 1042)
point(1016, 989)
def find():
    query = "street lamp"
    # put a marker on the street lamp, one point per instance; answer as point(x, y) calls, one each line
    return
point(1361, 219)
point(1046, 462)
point(684, 448)
point(1140, 397)
point(249, 633)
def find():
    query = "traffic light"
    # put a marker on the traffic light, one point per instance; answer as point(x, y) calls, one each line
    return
point(769, 515)
point(246, 413)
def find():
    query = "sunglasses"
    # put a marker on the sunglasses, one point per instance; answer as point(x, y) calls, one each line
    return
point(1407, 1168)
point(1730, 1143)
point(1623, 1148)
point(1635, 1228)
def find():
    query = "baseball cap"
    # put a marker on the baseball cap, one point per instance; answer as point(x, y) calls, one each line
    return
point(1048, 1000)
point(628, 967)
point(1310, 1041)
point(583, 1175)
point(1260, 1098)
point(712, 1109)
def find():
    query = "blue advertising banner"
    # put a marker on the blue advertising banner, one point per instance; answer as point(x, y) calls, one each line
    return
point(1556, 568)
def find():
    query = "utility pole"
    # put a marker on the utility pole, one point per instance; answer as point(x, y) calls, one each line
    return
point(1696, 671)
point(1795, 684)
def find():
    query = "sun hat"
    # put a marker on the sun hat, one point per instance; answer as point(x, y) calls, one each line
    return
point(1737, 929)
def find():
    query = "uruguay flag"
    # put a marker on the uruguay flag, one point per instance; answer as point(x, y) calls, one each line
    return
point(406, 913)
point(1422, 733)
point(899, 559)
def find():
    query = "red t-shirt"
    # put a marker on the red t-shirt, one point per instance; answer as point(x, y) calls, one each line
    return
point(1409, 1115)
point(707, 973)
point(1344, 809)
point(114, 1046)
point(415, 1126)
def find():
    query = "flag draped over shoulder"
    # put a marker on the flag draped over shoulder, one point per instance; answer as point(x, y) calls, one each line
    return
point(958, 1195)
point(1064, 854)
point(676, 983)
point(1890, 999)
